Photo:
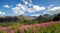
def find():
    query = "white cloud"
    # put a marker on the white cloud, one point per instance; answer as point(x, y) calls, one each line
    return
point(17, 10)
point(30, 4)
point(35, 15)
point(35, 8)
point(53, 10)
point(2, 13)
point(50, 6)
point(25, 2)
point(38, 8)
point(6, 6)
point(21, 8)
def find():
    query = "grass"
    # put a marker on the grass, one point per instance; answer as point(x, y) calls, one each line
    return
point(16, 30)
point(54, 28)
point(3, 31)
point(50, 29)
point(9, 24)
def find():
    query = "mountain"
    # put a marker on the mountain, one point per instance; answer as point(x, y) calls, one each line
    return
point(44, 18)
point(47, 15)
point(40, 17)
point(23, 17)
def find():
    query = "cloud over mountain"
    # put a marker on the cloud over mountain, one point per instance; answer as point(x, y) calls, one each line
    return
point(27, 6)
point(53, 10)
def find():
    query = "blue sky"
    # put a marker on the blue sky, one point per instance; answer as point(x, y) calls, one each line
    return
point(29, 7)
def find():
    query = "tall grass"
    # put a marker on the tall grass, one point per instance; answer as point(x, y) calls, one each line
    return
point(50, 29)
point(3, 31)
point(54, 28)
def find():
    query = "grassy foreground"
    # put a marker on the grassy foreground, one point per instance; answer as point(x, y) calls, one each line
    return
point(50, 29)
point(54, 28)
